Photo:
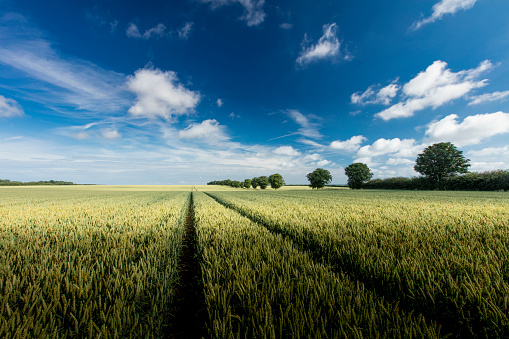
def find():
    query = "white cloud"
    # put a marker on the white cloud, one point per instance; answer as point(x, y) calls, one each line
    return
point(185, 30)
point(488, 97)
point(208, 130)
point(444, 7)
point(382, 96)
point(286, 25)
point(399, 161)
point(286, 150)
point(219, 102)
point(307, 127)
point(253, 9)
point(396, 147)
point(133, 31)
point(10, 108)
point(328, 46)
point(110, 134)
point(490, 151)
point(56, 81)
point(435, 87)
point(473, 130)
point(323, 162)
point(159, 94)
point(350, 145)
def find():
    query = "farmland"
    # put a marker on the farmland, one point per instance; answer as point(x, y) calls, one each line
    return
point(89, 261)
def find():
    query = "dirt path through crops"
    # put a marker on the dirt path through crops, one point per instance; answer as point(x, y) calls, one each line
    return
point(454, 330)
point(188, 314)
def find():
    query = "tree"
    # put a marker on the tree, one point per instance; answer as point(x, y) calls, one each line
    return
point(439, 162)
point(236, 184)
point(276, 181)
point(263, 182)
point(319, 178)
point(254, 182)
point(358, 173)
point(247, 183)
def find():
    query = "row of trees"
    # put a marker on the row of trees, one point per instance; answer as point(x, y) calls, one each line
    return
point(275, 181)
point(7, 182)
point(440, 166)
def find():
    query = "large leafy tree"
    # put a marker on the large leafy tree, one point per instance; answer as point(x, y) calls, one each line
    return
point(263, 182)
point(319, 178)
point(247, 183)
point(439, 162)
point(276, 181)
point(254, 182)
point(358, 173)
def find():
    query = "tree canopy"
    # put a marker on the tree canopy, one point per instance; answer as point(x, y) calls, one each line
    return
point(263, 182)
point(319, 178)
point(358, 173)
point(439, 162)
point(276, 181)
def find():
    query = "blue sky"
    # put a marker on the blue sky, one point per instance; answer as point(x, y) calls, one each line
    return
point(185, 92)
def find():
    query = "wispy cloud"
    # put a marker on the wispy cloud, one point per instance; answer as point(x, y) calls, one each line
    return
point(156, 31)
point(327, 47)
point(488, 97)
point(185, 31)
point(444, 7)
point(10, 108)
point(254, 13)
point(376, 95)
point(159, 94)
point(56, 81)
point(309, 127)
point(434, 87)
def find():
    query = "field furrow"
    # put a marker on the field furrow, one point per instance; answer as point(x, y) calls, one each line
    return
point(442, 254)
point(259, 285)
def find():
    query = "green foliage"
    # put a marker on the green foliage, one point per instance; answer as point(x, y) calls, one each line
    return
point(440, 162)
point(260, 285)
point(247, 183)
point(84, 262)
point(358, 173)
point(276, 181)
point(319, 178)
point(263, 182)
point(441, 254)
point(6, 182)
point(254, 182)
point(236, 184)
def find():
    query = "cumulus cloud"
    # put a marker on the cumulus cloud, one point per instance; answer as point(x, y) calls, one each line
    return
point(133, 31)
point(219, 102)
point(350, 145)
point(185, 31)
point(490, 151)
point(308, 128)
point(159, 94)
point(473, 130)
point(373, 95)
point(328, 46)
point(444, 7)
point(286, 150)
point(110, 134)
point(488, 97)
point(434, 87)
point(396, 147)
point(10, 108)
point(399, 161)
point(208, 130)
point(254, 13)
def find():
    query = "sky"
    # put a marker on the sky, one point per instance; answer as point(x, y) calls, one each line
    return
point(190, 91)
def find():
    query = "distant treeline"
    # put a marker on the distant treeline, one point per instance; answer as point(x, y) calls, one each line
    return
point(6, 182)
point(473, 181)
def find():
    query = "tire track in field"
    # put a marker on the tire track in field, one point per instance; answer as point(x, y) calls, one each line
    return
point(188, 316)
point(311, 248)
